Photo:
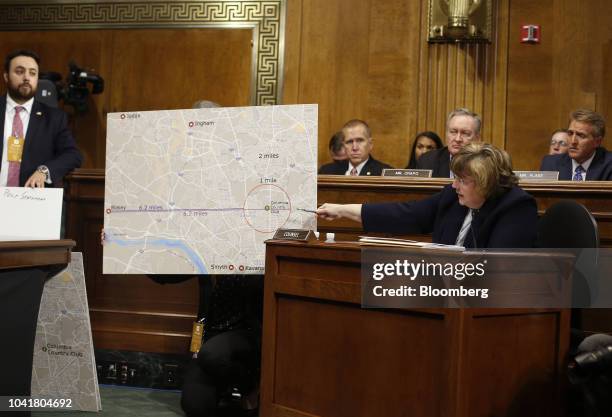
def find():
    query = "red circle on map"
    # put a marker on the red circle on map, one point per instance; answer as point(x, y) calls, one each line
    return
point(252, 215)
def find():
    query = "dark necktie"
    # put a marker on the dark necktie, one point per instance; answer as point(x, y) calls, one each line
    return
point(578, 173)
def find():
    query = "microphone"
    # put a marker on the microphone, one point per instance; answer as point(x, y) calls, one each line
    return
point(594, 358)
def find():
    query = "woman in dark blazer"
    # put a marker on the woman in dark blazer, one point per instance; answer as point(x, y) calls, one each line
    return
point(482, 208)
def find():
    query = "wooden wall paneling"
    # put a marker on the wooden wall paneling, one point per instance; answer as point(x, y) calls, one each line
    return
point(293, 55)
point(597, 46)
point(496, 68)
point(357, 61)
point(155, 69)
point(606, 100)
point(568, 70)
point(530, 84)
point(473, 76)
point(438, 61)
point(334, 63)
point(319, 67)
point(574, 37)
point(457, 76)
point(425, 72)
point(574, 53)
point(392, 77)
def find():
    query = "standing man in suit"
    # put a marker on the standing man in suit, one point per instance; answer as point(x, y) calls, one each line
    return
point(585, 159)
point(37, 146)
point(358, 144)
point(462, 127)
point(37, 149)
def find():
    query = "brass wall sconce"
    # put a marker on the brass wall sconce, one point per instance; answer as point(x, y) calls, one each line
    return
point(460, 20)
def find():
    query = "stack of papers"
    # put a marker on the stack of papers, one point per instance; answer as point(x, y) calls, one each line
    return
point(389, 241)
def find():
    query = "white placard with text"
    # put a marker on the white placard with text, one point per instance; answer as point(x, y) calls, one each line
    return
point(30, 213)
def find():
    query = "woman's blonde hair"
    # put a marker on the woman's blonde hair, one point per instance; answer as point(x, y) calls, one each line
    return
point(490, 167)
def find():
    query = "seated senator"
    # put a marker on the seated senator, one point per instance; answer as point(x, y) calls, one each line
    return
point(462, 127)
point(358, 143)
point(482, 208)
point(586, 159)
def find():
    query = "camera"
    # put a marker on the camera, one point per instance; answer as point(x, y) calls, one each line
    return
point(74, 91)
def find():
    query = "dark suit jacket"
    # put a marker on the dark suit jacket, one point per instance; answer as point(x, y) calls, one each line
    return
point(332, 168)
point(371, 168)
point(438, 161)
point(600, 169)
point(507, 221)
point(48, 141)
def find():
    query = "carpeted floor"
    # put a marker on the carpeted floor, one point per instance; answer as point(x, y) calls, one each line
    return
point(129, 402)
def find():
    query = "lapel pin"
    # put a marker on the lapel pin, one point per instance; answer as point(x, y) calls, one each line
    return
point(38, 113)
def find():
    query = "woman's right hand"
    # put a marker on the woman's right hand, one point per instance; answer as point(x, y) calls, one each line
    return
point(329, 211)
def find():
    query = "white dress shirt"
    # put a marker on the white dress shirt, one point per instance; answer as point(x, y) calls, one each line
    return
point(586, 164)
point(358, 167)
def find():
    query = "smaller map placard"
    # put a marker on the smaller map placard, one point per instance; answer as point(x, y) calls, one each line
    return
point(64, 363)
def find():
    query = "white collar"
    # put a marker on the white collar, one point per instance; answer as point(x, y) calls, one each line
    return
point(11, 104)
point(358, 167)
point(586, 164)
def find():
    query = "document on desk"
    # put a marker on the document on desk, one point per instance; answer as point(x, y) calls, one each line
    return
point(30, 213)
point(404, 243)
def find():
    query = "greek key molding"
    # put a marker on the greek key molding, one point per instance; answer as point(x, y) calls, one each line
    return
point(265, 17)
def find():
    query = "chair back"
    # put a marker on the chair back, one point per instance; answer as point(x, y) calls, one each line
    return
point(568, 224)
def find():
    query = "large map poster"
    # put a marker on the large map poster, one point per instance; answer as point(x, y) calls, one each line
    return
point(199, 191)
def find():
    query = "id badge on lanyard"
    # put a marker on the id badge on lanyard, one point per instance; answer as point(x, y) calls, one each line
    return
point(15, 148)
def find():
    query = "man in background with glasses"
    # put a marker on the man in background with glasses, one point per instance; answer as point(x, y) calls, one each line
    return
point(462, 127)
point(559, 142)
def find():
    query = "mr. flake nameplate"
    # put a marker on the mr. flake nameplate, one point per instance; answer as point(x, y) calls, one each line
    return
point(292, 234)
point(409, 173)
point(15, 148)
point(537, 175)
